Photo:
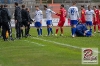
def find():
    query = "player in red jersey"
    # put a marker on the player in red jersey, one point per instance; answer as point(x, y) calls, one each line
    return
point(96, 18)
point(62, 14)
point(83, 15)
point(99, 19)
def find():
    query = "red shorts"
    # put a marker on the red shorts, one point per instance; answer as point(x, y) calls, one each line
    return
point(61, 23)
point(95, 23)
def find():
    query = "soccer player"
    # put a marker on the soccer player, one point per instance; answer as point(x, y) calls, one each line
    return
point(38, 20)
point(62, 20)
point(89, 17)
point(81, 30)
point(73, 16)
point(83, 14)
point(49, 13)
point(99, 19)
point(96, 19)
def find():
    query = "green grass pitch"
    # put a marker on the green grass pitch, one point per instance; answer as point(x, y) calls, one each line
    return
point(47, 51)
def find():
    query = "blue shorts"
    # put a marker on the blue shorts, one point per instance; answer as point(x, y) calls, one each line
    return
point(49, 22)
point(73, 22)
point(38, 24)
point(89, 23)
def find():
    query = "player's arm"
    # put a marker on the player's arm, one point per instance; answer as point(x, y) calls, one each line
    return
point(41, 14)
point(58, 14)
point(52, 12)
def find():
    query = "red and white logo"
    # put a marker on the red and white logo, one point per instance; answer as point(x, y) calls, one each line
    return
point(89, 56)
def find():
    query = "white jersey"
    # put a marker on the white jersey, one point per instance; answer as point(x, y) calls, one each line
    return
point(49, 14)
point(73, 13)
point(89, 15)
point(38, 16)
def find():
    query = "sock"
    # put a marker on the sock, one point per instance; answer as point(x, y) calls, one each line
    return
point(61, 30)
point(22, 32)
point(90, 29)
point(38, 31)
point(98, 27)
point(48, 31)
point(51, 30)
point(94, 28)
point(57, 30)
point(73, 31)
point(41, 31)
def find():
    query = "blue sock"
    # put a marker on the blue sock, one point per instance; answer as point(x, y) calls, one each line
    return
point(48, 31)
point(51, 30)
point(41, 31)
point(74, 31)
point(38, 31)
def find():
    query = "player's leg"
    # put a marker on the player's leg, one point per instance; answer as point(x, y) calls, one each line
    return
point(51, 27)
point(48, 27)
point(94, 27)
point(98, 26)
point(73, 27)
point(61, 27)
point(90, 25)
point(57, 28)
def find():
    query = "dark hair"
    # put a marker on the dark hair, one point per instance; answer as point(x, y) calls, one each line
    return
point(23, 6)
point(74, 2)
point(1, 6)
point(99, 6)
point(62, 5)
point(16, 3)
point(82, 6)
point(45, 6)
point(5, 5)
point(94, 6)
point(36, 6)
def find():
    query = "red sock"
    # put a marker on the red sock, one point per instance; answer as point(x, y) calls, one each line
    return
point(57, 30)
point(99, 27)
point(61, 30)
point(94, 28)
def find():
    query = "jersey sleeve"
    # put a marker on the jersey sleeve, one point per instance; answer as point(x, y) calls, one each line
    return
point(52, 11)
point(41, 14)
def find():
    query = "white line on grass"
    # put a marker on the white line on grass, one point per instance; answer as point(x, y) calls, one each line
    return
point(34, 43)
point(63, 44)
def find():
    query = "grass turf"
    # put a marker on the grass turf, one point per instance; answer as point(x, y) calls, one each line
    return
point(46, 51)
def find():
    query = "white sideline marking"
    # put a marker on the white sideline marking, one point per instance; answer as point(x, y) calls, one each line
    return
point(63, 44)
point(34, 43)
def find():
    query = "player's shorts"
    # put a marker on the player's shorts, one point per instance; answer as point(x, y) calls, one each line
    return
point(73, 22)
point(38, 24)
point(49, 22)
point(89, 23)
point(61, 23)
